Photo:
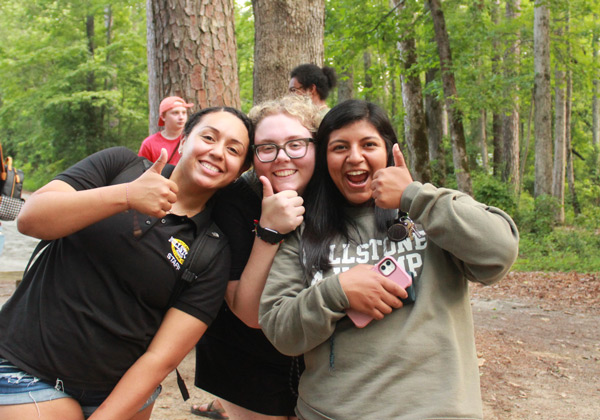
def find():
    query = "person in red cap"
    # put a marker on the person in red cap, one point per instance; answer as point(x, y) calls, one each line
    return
point(173, 116)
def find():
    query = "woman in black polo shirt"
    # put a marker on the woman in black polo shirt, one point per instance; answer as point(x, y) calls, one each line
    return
point(86, 334)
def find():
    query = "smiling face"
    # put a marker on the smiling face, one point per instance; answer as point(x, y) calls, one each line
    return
point(213, 153)
point(354, 153)
point(284, 173)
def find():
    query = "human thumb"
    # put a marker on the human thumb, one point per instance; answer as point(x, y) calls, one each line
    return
point(160, 162)
point(267, 188)
point(398, 156)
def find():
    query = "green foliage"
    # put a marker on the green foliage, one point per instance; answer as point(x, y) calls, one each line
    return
point(491, 191)
point(67, 88)
point(538, 219)
point(560, 250)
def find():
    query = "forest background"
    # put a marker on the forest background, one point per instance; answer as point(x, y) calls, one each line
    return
point(499, 99)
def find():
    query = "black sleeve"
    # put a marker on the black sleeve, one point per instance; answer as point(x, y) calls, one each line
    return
point(203, 298)
point(236, 208)
point(98, 169)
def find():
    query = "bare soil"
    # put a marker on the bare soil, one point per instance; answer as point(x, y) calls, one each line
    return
point(538, 342)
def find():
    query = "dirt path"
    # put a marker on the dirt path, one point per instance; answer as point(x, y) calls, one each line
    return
point(538, 339)
point(537, 335)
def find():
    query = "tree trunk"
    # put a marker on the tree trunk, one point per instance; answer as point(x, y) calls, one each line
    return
point(497, 140)
point(482, 134)
point(195, 52)
point(457, 134)
point(346, 85)
point(434, 113)
point(286, 33)
point(154, 92)
point(543, 116)
point(368, 78)
point(523, 161)
point(510, 130)
point(596, 95)
point(558, 173)
point(569, 143)
point(415, 124)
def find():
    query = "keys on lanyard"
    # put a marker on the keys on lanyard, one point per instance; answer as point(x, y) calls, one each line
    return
point(402, 229)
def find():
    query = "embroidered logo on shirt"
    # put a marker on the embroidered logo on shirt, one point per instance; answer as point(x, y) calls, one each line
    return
point(179, 251)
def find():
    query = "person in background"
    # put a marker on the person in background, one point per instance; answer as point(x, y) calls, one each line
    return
point(173, 114)
point(314, 81)
point(90, 331)
point(9, 210)
point(413, 361)
point(234, 360)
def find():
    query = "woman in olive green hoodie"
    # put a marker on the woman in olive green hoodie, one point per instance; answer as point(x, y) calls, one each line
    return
point(415, 361)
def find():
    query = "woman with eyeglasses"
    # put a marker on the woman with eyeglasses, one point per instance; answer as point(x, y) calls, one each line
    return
point(234, 360)
point(91, 331)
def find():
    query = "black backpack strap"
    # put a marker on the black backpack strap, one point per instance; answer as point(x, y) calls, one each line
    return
point(174, 150)
point(203, 251)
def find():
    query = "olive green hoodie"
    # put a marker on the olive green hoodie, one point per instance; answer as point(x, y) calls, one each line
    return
point(419, 362)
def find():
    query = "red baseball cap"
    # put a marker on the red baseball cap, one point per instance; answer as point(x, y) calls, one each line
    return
point(170, 103)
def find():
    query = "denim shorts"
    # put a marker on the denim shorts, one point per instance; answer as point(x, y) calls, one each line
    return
point(18, 387)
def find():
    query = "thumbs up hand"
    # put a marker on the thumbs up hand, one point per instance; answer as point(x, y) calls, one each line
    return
point(282, 211)
point(389, 183)
point(151, 193)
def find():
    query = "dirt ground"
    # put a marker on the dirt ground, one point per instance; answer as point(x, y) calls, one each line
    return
point(538, 342)
point(537, 336)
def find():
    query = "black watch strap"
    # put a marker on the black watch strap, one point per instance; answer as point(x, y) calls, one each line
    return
point(268, 235)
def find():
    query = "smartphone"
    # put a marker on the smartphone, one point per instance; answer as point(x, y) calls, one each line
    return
point(389, 268)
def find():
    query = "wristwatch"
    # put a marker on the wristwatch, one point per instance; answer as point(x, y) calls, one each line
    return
point(268, 235)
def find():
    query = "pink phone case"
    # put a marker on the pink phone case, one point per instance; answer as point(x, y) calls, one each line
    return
point(389, 268)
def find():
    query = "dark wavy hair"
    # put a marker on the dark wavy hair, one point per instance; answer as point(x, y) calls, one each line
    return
point(197, 117)
point(325, 218)
point(323, 78)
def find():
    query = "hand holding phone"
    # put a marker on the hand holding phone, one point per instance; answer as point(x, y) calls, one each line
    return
point(389, 268)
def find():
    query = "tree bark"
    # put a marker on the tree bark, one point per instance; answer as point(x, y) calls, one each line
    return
point(482, 134)
point(435, 132)
point(560, 151)
point(457, 134)
point(569, 143)
point(415, 123)
point(596, 95)
point(286, 33)
point(368, 79)
point(196, 53)
point(510, 129)
point(497, 139)
point(543, 116)
point(346, 85)
point(154, 92)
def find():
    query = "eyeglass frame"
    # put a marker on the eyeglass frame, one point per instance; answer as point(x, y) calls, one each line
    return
point(306, 140)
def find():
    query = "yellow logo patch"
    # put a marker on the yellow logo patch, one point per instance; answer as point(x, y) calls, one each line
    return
point(179, 249)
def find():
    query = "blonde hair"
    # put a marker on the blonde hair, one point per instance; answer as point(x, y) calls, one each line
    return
point(296, 106)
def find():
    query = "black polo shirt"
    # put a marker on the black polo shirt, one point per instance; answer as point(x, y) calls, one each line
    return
point(90, 305)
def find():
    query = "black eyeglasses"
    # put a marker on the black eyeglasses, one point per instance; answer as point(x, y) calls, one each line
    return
point(294, 149)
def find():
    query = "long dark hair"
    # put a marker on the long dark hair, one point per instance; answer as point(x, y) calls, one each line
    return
point(197, 117)
point(325, 218)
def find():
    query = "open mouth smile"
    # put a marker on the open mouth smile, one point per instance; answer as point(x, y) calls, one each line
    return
point(357, 178)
